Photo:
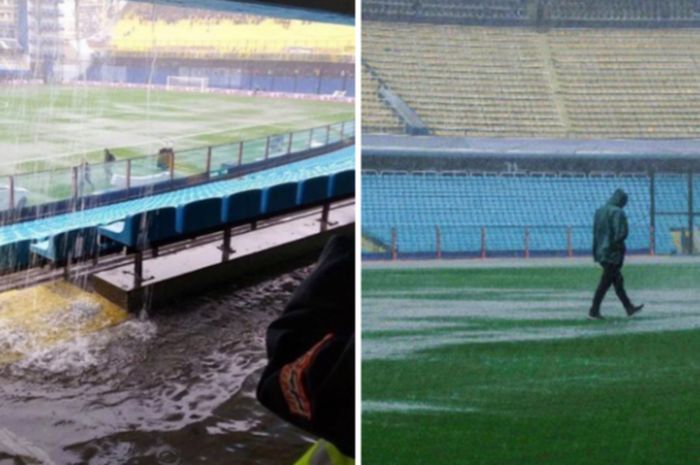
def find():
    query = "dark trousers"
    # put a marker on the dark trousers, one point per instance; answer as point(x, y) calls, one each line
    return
point(612, 276)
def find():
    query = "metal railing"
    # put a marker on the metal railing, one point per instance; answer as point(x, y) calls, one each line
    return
point(443, 241)
point(37, 189)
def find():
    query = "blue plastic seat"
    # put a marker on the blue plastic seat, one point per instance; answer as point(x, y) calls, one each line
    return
point(313, 191)
point(279, 198)
point(124, 232)
point(14, 256)
point(342, 184)
point(160, 224)
point(76, 243)
point(241, 206)
point(198, 216)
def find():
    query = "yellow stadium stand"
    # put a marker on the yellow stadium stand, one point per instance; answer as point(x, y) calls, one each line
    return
point(228, 35)
point(526, 82)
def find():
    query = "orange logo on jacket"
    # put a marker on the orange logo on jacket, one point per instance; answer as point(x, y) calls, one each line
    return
point(292, 380)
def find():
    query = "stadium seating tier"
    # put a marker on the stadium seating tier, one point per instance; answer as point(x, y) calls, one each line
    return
point(522, 82)
point(377, 116)
point(145, 29)
point(460, 205)
point(521, 11)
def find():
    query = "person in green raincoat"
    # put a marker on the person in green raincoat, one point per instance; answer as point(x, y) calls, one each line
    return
point(610, 229)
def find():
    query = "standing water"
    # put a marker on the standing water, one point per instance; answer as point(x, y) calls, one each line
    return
point(176, 388)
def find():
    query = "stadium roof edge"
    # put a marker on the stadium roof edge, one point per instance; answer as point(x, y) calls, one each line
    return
point(340, 12)
point(493, 148)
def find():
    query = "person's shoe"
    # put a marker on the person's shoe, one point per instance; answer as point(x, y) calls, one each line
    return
point(595, 316)
point(634, 309)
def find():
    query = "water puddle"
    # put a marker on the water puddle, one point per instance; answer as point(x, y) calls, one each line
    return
point(371, 406)
point(440, 323)
point(84, 382)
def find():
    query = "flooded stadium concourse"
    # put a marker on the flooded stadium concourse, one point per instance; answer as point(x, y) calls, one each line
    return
point(210, 98)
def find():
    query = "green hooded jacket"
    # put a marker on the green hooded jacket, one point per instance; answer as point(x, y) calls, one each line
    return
point(610, 230)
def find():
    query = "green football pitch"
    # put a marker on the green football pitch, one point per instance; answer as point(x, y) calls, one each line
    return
point(48, 127)
point(499, 366)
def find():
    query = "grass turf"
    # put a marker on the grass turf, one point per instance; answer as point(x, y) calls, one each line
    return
point(619, 396)
point(47, 126)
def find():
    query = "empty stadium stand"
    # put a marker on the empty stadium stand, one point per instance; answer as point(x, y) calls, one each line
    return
point(555, 209)
point(466, 80)
point(524, 82)
point(151, 229)
point(540, 12)
point(377, 116)
point(177, 213)
point(169, 224)
point(205, 48)
point(621, 10)
point(628, 83)
point(173, 31)
point(437, 10)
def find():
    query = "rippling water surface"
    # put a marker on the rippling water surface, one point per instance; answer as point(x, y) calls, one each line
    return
point(176, 388)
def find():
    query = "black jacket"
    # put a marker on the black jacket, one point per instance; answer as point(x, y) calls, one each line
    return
point(310, 377)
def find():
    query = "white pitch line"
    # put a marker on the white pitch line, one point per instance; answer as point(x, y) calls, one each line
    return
point(375, 406)
point(666, 310)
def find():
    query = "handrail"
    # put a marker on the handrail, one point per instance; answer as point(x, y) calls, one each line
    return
point(483, 236)
point(77, 183)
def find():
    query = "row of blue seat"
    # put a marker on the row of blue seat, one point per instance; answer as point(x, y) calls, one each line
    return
point(414, 205)
point(174, 223)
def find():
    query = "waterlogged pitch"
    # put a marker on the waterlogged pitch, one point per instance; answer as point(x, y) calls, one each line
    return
point(500, 366)
point(44, 127)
